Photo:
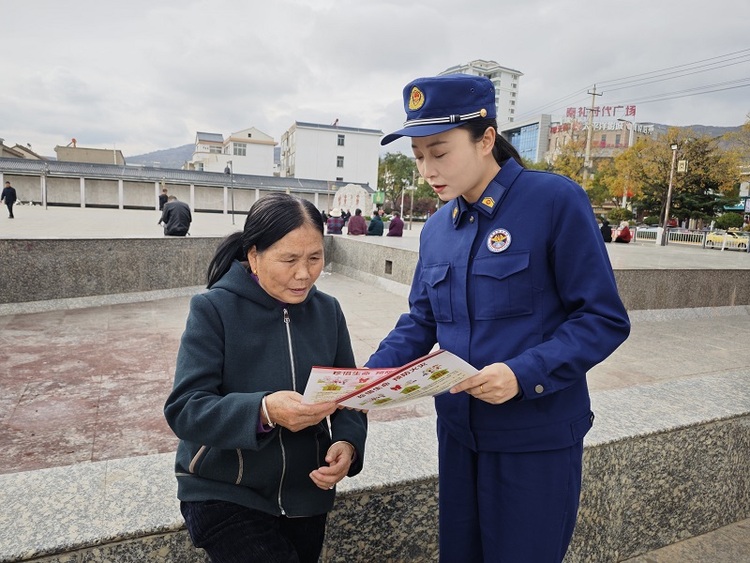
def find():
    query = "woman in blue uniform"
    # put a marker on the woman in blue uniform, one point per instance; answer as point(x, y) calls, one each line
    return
point(513, 276)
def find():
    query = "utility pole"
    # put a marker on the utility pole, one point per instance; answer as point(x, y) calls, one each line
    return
point(587, 158)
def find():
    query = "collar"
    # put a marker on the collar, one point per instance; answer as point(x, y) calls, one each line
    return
point(492, 196)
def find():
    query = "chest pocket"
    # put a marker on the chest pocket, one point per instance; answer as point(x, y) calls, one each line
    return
point(437, 279)
point(503, 286)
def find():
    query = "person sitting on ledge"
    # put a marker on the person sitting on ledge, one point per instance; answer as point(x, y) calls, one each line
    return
point(396, 228)
point(624, 235)
point(335, 223)
point(356, 224)
point(375, 228)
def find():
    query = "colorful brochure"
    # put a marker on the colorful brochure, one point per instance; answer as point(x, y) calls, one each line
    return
point(368, 389)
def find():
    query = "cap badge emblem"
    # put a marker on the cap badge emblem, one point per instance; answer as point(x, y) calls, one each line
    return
point(489, 202)
point(416, 99)
point(498, 241)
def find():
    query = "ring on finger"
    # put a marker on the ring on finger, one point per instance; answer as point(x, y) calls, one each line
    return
point(481, 388)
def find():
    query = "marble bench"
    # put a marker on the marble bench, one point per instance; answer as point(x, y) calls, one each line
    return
point(664, 462)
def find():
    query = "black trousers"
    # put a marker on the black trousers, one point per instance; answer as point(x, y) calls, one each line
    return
point(10, 210)
point(231, 533)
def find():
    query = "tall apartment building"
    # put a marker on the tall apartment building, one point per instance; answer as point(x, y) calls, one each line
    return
point(505, 81)
point(331, 152)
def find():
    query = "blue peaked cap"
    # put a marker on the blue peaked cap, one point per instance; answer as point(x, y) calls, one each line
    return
point(440, 103)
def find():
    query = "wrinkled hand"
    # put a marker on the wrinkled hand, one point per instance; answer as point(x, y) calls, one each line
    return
point(287, 409)
point(494, 384)
point(338, 458)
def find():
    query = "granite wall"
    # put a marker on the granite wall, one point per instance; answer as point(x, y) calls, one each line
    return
point(41, 269)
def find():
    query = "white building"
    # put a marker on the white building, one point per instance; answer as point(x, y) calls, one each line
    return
point(250, 152)
point(331, 152)
point(505, 81)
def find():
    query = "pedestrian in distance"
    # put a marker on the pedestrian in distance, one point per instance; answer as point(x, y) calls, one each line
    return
point(375, 228)
point(176, 217)
point(256, 467)
point(512, 276)
point(623, 234)
point(606, 231)
point(396, 228)
point(335, 222)
point(8, 197)
point(163, 198)
point(356, 224)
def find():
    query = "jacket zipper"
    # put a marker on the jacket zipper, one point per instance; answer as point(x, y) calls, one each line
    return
point(287, 321)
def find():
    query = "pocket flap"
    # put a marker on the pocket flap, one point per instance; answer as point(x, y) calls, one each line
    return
point(434, 274)
point(501, 266)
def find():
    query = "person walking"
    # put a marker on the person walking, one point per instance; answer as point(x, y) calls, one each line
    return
point(513, 277)
point(163, 198)
point(256, 467)
point(8, 197)
point(176, 217)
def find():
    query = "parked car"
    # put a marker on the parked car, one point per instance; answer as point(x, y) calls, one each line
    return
point(734, 239)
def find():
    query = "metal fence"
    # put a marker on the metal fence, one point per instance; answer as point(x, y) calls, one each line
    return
point(705, 239)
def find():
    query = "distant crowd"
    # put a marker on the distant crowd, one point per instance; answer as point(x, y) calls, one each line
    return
point(337, 220)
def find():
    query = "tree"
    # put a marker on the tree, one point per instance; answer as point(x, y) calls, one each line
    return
point(395, 172)
point(604, 188)
point(569, 161)
point(709, 183)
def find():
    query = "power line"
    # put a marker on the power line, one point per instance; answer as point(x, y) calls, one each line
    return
point(605, 83)
point(662, 75)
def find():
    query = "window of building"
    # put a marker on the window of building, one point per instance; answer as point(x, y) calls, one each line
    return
point(340, 141)
point(240, 149)
point(213, 149)
point(339, 162)
point(617, 140)
point(339, 178)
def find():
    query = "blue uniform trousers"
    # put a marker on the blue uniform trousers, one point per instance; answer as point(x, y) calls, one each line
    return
point(506, 507)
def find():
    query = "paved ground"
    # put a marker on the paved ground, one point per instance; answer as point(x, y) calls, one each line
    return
point(88, 383)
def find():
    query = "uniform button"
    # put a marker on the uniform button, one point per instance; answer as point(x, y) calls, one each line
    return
point(539, 388)
point(471, 219)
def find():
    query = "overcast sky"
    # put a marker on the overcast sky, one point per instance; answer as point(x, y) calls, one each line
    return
point(146, 75)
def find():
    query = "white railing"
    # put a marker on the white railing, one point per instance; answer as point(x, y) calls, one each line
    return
point(704, 239)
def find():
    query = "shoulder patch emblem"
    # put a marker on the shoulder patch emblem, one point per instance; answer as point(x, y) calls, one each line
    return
point(455, 211)
point(489, 202)
point(498, 240)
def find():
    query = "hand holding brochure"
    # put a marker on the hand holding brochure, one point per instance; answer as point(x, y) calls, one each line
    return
point(368, 389)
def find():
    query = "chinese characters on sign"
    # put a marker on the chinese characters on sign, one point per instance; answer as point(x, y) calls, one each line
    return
point(603, 111)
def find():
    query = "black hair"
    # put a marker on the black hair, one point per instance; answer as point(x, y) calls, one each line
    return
point(358, 212)
point(269, 220)
point(502, 150)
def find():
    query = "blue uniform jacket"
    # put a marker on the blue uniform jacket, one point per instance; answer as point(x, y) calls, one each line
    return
point(521, 277)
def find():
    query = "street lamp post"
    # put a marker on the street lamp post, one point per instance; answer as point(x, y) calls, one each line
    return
point(631, 126)
point(669, 195)
point(229, 169)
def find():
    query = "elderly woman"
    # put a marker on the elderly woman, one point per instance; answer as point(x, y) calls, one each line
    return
point(256, 468)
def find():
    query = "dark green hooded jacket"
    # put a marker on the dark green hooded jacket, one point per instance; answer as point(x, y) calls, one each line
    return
point(239, 345)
